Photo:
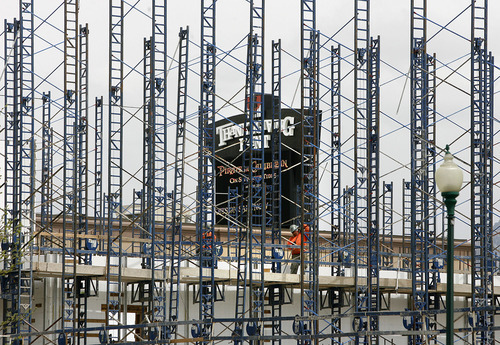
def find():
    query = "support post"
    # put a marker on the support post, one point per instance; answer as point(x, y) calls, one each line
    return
point(450, 200)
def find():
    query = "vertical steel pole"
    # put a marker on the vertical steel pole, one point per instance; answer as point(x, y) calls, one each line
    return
point(450, 202)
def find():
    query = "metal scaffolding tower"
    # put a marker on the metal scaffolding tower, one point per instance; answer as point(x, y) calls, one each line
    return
point(366, 202)
point(115, 174)
point(420, 239)
point(47, 166)
point(334, 295)
point(70, 172)
point(310, 117)
point(84, 247)
point(98, 205)
point(27, 125)
point(153, 208)
point(147, 267)
point(373, 131)
point(335, 155)
point(156, 200)
point(205, 212)
point(481, 176)
point(406, 212)
point(147, 227)
point(254, 159)
point(275, 293)
point(253, 189)
point(361, 176)
point(16, 282)
point(82, 147)
point(387, 233)
point(179, 172)
point(435, 251)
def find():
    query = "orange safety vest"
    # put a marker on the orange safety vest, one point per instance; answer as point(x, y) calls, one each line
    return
point(207, 237)
point(296, 240)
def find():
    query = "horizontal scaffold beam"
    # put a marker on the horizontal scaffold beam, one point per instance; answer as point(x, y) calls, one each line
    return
point(190, 275)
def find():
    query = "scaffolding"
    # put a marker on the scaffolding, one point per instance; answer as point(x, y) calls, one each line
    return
point(157, 257)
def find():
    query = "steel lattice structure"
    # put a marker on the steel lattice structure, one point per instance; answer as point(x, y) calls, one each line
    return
point(157, 257)
point(115, 174)
point(419, 180)
point(481, 173)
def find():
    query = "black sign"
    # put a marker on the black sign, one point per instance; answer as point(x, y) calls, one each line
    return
point(229, 170)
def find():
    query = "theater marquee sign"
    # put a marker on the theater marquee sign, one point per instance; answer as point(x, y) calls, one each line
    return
point(229, 136)
point(232, 130)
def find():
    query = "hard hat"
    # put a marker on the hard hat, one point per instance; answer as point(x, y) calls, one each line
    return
point(293, 228)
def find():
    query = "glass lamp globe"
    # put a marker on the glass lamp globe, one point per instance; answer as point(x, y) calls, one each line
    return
point(449, 176)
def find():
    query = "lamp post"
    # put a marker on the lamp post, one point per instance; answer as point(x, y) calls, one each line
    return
point(449, 178)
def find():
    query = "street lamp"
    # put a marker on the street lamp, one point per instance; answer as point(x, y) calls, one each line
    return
point(449, 178)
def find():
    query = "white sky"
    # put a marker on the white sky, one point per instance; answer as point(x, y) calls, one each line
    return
point(389, 18)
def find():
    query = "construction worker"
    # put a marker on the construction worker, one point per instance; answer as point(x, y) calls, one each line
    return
point(207, 237)
point(296, 241)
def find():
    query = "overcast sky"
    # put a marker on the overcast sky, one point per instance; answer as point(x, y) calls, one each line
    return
point(389, 18)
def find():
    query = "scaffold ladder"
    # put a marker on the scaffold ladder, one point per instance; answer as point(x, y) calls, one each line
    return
point(206, 170)
point(178, 194)
point(115, 181)
point(70, 192)
point(362, 173)
point(310, 116)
